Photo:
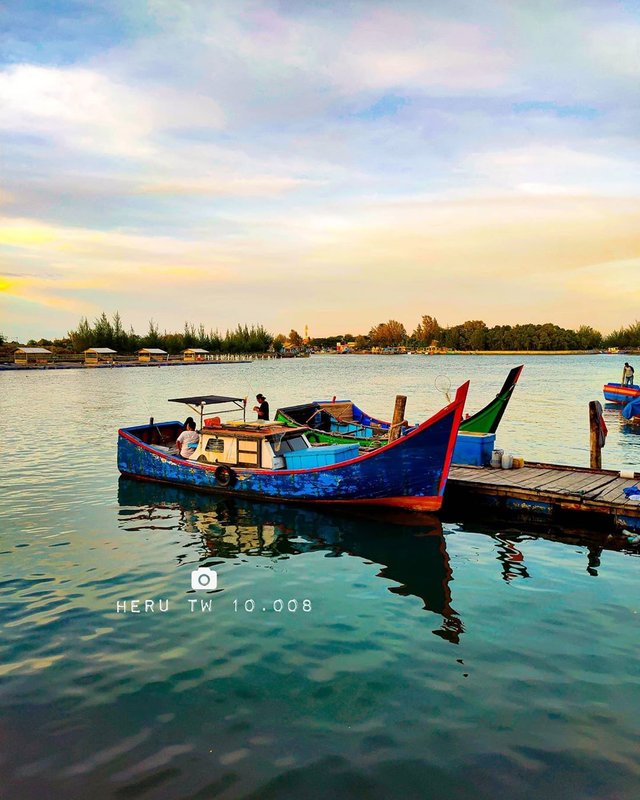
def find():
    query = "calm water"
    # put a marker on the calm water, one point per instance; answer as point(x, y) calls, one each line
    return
point(428, 661)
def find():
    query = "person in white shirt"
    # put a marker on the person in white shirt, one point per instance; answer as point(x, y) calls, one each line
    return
point(187, 437)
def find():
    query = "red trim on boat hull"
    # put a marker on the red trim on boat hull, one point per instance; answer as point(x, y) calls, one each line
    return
point(460, 399)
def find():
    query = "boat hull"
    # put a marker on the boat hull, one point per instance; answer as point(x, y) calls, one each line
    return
point(618, 393)
point(409, 473)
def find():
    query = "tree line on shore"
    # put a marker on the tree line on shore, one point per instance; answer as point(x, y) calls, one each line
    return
point(470, 335)
point(105, 332)
point(477, 335)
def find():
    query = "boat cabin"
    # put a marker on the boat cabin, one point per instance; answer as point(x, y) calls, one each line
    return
point(98, 355)
point(32, 355)
point(261, 445)
point(256, 445)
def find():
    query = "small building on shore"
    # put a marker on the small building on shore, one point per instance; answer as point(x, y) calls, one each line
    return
point(26, 356)
point(345, 347)
point(194, 354)
point(99, 355)
point(147, 354)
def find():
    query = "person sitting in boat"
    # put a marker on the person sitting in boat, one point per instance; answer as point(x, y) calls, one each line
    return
point(627, 374)
point(189, 436)
point(262, 409)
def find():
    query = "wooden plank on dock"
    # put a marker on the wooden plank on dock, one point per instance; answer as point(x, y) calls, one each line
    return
point(523, 476)
point(495, 476)
point(561, 480)
point(615, 493)
point(593, 489)
point(536, 479)
point(614, 489)
point(579, 484)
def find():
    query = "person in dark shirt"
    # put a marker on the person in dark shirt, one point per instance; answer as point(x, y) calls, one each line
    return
point(627, 374)
point(263, 409)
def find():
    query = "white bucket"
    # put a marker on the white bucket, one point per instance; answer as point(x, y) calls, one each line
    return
point(507, 461)
point(496, 459)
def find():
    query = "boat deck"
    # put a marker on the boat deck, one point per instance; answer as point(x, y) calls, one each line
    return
point(548, 490)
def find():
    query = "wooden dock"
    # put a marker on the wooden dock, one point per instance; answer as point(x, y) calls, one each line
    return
point(593, 498)
point(121, 364)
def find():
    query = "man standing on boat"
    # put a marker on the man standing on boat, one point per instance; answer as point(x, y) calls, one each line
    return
point(627, 374)
point(263, 409)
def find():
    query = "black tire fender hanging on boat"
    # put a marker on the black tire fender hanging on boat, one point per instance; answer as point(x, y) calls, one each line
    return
point(225, 476)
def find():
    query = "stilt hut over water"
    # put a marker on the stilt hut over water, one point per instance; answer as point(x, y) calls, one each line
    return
point(152, 354)
point(26, 356)
point(194, 354)
point(98, 355)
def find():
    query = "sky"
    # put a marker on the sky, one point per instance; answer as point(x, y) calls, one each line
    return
point(330, 164)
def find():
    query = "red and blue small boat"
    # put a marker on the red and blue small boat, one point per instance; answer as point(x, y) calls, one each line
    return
point(620, 392)
point(272, 461)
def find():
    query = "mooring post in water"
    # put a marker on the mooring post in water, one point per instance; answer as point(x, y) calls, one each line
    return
point(398, 417)
point(597, 434)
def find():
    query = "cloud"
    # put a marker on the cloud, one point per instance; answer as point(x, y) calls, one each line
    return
point(41, 292)
point(616, 46)
point(230, 186)
point(560, 166)
point(420, 53)
point(82, 108)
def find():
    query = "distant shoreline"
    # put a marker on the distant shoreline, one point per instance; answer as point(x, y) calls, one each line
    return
point(541, 353)
point(497, 353)
point(11, 367)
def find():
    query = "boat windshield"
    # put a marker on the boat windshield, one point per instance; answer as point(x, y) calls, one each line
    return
point(292, 443)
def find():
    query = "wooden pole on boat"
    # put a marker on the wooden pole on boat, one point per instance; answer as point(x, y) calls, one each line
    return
point(398, 417)
point(594, 439)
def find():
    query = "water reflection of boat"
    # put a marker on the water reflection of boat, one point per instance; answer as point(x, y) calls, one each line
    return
point(410, 548)
point(511, 558)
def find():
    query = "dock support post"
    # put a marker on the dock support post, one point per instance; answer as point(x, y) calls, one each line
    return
point(398, 417)
point(595, 447)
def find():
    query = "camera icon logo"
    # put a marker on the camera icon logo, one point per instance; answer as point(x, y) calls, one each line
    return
point(204, 578)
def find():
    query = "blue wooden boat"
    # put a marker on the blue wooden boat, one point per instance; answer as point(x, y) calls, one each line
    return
point(335, 421)
point(632, 409)
point(620, 393)
point(276, 462)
